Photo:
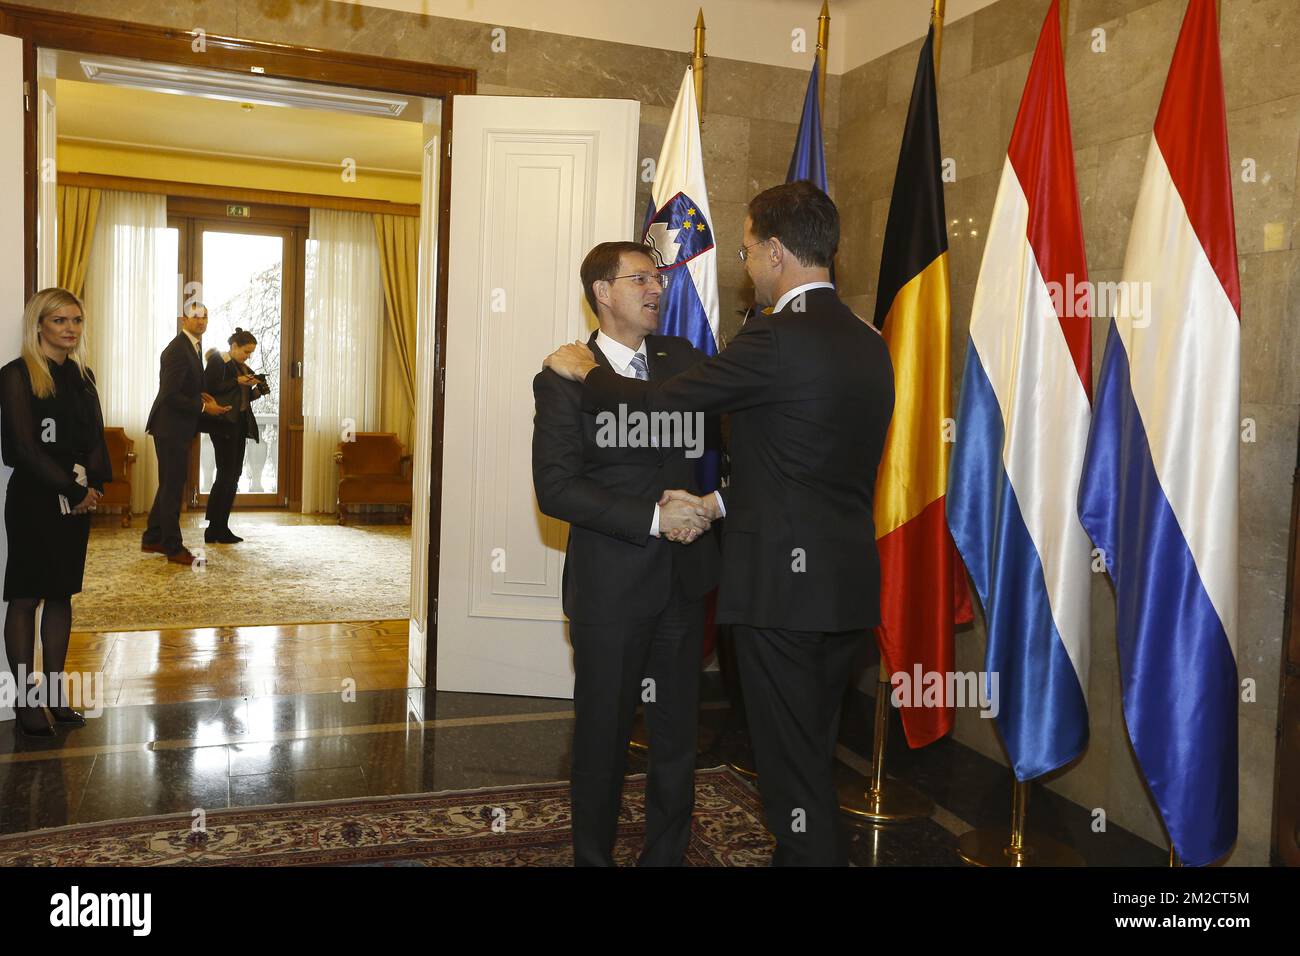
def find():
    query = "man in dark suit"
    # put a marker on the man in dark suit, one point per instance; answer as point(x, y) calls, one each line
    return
point(174, 420)
point(810, 387)
point(633, 579)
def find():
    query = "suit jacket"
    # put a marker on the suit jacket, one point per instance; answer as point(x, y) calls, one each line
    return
point(78, 436)
point(614, 569)
point(177, 412)
point(221, 379)
point(811, 393)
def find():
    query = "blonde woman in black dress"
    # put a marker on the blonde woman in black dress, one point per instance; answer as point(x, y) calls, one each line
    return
point(52, 435)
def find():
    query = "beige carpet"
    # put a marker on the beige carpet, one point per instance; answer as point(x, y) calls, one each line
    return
point(290, 569)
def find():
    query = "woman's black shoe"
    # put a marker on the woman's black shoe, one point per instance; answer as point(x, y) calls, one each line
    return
point(33, 722)
point(66, 715)
point(221, 537)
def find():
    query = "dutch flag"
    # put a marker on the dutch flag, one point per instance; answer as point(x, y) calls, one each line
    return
point(1022, 427)
point(1159, 492)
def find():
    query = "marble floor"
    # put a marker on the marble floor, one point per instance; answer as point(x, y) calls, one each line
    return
point(152, 758)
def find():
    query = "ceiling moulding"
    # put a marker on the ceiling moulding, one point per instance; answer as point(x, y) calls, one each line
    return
point(190, 153)
point(235, 87)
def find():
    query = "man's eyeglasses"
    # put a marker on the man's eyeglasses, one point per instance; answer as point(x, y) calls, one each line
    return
point(641, 278)
point(743, 252)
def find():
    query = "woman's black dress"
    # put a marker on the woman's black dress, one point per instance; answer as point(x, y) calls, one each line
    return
point(41, 439)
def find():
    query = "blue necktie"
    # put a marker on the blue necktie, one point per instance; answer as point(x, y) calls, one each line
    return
point(639, 368)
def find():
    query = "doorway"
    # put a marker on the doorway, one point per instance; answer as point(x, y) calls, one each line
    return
point(44, 31)
point(250, 271)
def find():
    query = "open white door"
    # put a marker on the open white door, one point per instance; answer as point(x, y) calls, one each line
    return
point(47, 138)
point(536, 182)
point(11, 245)
point(425, 358)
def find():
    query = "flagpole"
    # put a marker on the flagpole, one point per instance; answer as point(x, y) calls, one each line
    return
point(896, 803)
point(936, 21)
point(823, 44)
point(697, 63)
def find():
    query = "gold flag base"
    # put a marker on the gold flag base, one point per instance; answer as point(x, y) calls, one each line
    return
point(991, 846)
point(892, 802)
point(884, 800)
point(743, 768)
point(640, 740)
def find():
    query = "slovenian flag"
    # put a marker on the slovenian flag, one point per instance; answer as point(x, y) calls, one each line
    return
point(1159, 492)
point(680, 230)
point(1022, 430)
point(922, 588)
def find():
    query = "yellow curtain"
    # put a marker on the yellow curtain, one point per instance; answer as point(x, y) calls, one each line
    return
point(399, 242)
point(78, 208)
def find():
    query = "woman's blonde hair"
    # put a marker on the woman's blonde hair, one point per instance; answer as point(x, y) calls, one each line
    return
point(38, 307)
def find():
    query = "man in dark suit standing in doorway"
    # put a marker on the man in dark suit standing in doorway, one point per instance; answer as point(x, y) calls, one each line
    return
point(634, 574)
point(811, 390)
point(174, 420)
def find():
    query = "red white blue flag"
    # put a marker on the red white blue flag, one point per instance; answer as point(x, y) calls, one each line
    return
point(1159, 492)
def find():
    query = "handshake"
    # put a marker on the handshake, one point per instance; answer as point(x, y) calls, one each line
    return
point(683, 517)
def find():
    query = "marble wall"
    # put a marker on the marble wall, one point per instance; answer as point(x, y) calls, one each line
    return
point(1113, 100)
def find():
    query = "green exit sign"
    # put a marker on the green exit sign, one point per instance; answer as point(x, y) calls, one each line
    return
point(239, 212)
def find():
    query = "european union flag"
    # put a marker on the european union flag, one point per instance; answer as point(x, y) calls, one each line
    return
point(809, 159)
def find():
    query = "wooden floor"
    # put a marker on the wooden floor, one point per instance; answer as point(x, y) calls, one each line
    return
point(170, 666)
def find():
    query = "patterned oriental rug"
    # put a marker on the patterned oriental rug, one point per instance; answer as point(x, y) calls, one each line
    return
point(281, 574)
point(501, 826)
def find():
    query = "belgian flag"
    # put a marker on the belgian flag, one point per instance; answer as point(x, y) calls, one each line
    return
point(923, 583)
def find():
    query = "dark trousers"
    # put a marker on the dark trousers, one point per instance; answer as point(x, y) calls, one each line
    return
point(794, 683)
point(165, 516)
point(228, 449)
point(611, 661)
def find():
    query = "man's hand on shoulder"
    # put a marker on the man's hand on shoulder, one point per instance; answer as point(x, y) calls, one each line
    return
point(571, 361)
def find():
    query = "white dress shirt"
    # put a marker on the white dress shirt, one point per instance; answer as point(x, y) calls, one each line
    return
point(620, 358)
point(619, 355)
point(799, 290)
point(198, 350)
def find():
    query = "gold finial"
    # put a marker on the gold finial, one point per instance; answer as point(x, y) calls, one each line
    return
point(697, 63)
point(823, 44)
point(936, 20)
